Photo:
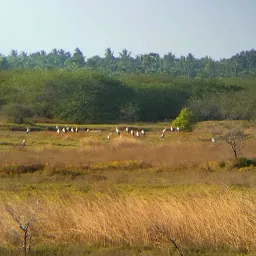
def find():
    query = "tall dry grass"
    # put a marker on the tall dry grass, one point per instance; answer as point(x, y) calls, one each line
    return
point(83, 148)
point(92, 151)
point(211, 221)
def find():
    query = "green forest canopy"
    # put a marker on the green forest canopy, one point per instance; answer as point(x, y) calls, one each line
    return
point(241, 64)
point(125, 89)
point(91, 97)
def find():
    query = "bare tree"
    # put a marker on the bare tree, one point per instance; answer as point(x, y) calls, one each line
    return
point(24, 226)
point(235, 138)
point(163, 231)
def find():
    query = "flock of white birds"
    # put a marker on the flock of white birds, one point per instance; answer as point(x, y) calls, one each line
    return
point(127, 130)
point(66, 129)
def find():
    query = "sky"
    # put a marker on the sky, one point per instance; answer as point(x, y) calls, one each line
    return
point(214, 28)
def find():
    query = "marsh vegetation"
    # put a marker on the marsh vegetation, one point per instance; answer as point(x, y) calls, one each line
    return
point(88, 195)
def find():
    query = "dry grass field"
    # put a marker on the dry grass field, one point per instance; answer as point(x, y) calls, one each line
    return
point(83, 194)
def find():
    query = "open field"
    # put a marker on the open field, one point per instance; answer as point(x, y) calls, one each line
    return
point(87, 195)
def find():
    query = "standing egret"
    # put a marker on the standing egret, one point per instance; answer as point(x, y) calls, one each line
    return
point(143, 132)
point(28, 130)
point(23, 143)
point(163, 133)
point(127, 129)
point(213, 140)
point(109, 136)
point(132, 133)
point(58, 131)
point(72, 129)
point(76, 130)
point(63, 130)
point(117, 131)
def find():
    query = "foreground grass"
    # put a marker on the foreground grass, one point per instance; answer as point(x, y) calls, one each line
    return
point(224, 220)
point(130, 208)
point(91, 196)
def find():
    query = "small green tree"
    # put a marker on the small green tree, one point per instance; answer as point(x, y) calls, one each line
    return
point(185, 120)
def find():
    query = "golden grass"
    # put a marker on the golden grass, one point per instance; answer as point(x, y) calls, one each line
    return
point(128, 191)
point(92, 151)
point(89, 144)
point(215, 221)
point(126, 142)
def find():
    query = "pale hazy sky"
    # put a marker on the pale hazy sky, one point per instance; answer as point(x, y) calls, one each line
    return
point(217, 28)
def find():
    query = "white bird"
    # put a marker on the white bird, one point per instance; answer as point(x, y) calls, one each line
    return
point(58, 131)
point(72, 129)
point(137, 134)
point(109, 136)
point(127, 129)
point(164, 130)
point(28, 130)
point(142, 132)
point(213, 140)
point(23, 143)
point(57, 127)
point(178, 129)
point(117, 131)
point(171, 129)
point(132, 133)
point(67, 128)
point(63, 130)
point(76, 129)
point(162, 136)
point(87, 130)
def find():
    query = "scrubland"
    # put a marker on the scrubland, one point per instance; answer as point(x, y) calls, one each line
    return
point(86, 195)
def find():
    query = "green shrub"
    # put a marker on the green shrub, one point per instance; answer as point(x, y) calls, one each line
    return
point(185, 120)
point(245, 162)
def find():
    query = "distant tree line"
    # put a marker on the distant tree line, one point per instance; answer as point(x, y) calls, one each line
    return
point(89, 96)
point(242, 64)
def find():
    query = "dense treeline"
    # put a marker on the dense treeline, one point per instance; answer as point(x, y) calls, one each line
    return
point(84, 96)
point(242, 64)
